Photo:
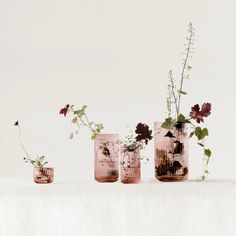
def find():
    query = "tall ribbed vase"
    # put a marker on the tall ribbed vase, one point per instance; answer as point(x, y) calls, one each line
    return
point(171, 152)
point(106, 157)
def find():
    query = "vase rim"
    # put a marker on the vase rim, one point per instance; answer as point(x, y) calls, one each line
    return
point(160, 122)
point(107, 134)
point(43, 167)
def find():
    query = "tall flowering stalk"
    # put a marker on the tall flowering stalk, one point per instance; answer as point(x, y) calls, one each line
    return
point(196, 115)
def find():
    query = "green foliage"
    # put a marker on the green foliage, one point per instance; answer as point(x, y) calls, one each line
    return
point(168, 123)
point(98, 127)
point(37, 162)
point(207, 152)
point(191, 134)
point(74, 120)
point(182, 92)
point(201, 133)
point(81, 120)
point(200, 144)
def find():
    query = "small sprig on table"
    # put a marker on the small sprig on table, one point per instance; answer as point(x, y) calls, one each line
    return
point(36, 162)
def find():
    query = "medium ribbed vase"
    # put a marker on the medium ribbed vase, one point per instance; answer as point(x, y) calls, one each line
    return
point(106, 157)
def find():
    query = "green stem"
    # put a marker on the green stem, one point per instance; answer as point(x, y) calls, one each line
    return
point(184, 67)
point(21, 142)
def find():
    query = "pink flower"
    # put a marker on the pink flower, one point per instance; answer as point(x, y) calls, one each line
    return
point(64, 110)
point(198, 114)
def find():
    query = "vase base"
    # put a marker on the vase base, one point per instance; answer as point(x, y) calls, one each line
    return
point(37, 182)
point(106, 179)
point(171, 178)
point(130, 181)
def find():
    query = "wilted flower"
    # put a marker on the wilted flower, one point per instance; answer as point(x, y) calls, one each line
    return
point(198, 114)
point(143, 133)
point(64, 110)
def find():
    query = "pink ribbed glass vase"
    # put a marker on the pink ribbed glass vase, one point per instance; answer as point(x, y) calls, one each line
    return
point(106, 157)
point(130, 167)
point(171, 152)
point(43, 175)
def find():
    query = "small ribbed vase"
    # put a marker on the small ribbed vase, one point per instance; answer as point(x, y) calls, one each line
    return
point(43, 175)
point(106, 157)
point(130, 167)
point(171, 152)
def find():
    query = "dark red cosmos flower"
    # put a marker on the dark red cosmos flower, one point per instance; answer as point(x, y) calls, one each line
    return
point(16, 123)
point(198, 114)
point(64, 110)
point(143, 133)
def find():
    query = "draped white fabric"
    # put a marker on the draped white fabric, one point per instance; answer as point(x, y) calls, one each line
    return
point(86, 208)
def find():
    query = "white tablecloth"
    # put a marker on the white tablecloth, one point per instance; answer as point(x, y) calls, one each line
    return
point(85, 207)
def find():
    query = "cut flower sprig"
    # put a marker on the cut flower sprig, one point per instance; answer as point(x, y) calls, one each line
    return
point(36, 162)
point(80, 119)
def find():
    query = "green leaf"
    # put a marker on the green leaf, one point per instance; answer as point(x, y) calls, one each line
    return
point(207, 152)
point(181, 118)
point(198, 132)
point(80, 113)
point(191, 134)
point(182, 92)
point(200, 144)
point(93, 135)
point(205, 132)
point(201, 133)
point(168, 124)
point(71, 135)
point(41, 158)
point(74, 120)
point(202, 178)
point(84, 107)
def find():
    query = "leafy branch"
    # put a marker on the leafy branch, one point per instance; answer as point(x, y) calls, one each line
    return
point(81, 120)
point(201, 134)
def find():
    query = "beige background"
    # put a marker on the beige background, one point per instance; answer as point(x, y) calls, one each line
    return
point(113, 56)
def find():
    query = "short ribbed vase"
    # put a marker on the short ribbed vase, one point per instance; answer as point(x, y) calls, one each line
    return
point(130, 171)
point(43, 175)
point(171, 152)
point(106, 157)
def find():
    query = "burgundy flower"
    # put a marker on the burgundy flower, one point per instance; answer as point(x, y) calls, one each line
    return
point(16, 123)
point(64, 110)
point(198, 114)
point(143, 133)
point(169, 134)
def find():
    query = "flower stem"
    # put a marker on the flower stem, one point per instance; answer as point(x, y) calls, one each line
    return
point(21, 142)
point(185, 65)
